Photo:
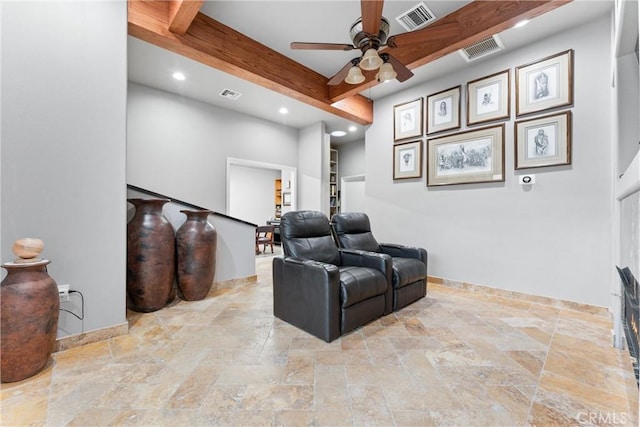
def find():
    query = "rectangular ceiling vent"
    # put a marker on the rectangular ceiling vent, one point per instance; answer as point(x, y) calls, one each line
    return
point(230, 94)
point(482, 48)
point(416, 17)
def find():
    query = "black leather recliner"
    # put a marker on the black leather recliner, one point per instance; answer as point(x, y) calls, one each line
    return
point(352, 230)
point(321, 289)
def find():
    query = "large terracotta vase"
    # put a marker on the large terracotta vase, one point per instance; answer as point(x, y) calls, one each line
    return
point(29, 305)
point(196, 241)
point(150, 256)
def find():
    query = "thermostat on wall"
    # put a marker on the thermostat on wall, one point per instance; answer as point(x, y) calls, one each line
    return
point(527, 179)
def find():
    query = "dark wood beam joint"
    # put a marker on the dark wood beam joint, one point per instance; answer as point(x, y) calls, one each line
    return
point(216, 45)
point(182, 14)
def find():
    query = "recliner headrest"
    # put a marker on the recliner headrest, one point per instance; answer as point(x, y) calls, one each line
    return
point(351, 222)
point(307, 234)
point(353, 231)
point(304, 224)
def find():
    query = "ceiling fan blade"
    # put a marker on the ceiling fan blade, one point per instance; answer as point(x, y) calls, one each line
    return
point(340, 75)
point(430, 33)
point(402, 72)
point(322, 46)
point(371, 15)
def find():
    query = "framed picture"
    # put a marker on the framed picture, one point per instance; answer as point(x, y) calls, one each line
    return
point(488, 98)
point(407, 120)
point(286, 199)
point(544, 141)
point(443, 110)
point(545, 84)
point(466, 157)
point(407, 160)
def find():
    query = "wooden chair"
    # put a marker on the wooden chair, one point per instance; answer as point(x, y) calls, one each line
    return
point(264, 237)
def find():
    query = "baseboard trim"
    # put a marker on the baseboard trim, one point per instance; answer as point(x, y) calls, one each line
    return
point(73, 341)
point(234, 282)
point(537, 299)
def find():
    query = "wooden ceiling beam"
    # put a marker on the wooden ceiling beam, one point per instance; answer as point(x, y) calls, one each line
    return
point(478, 20)
point(216, 45)
point(182, 13)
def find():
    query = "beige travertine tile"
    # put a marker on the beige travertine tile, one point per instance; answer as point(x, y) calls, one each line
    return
point(465, 356)
point(277, 397)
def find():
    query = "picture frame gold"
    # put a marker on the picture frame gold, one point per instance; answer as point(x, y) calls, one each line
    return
point(407, 120)
point(545, 84)
point(489, 98)
point(407, 160)
point(443, 110)
point(469, 157)
point(543, 141)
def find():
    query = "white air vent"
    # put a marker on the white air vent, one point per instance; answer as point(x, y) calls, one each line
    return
point(416, 17)
point(231, 94)
point(482, 48)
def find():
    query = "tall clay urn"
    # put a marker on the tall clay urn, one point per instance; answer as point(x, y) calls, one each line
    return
point(196, 242)
point(150, 256)
point(29, 305)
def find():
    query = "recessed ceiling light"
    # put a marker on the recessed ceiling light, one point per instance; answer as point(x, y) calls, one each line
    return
point(352, 128)
point(178, 76)
point(338, 133)
point(522, 23)
point(283, 110)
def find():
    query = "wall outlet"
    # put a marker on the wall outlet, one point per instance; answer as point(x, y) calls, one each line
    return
point(63, 292)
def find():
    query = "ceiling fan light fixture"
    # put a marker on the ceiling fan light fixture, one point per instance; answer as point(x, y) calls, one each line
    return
point(386, 73)
point(354, 76)
point(370, 60)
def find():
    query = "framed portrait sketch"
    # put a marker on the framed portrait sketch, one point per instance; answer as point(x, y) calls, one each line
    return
point(286, 199)
point(443, 110)
point(545, 84)
point(488, 98)
point(407, 120)
point(467, 157)
point(544, 141)
point(407, 160)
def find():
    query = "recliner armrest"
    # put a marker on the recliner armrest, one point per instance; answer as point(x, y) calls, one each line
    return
point(358, 258)
point(402, 251)
point(375, 260)
point(306, 293)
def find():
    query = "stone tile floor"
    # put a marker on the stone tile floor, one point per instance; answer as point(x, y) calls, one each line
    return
point(455, 358)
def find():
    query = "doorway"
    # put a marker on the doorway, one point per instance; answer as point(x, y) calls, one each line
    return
point(250, 189)
point(352, 196)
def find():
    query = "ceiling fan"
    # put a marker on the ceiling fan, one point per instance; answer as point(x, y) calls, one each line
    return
point(369, 34)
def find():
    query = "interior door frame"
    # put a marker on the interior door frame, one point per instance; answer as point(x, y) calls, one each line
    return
point(233, 161)
point(343, 181)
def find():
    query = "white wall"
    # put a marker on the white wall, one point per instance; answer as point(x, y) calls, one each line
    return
point(628, 108)
point(252, 193)
point(554, 240)
point(179, 147)
point(64, 94)
point(312, 150)
point(351, 159)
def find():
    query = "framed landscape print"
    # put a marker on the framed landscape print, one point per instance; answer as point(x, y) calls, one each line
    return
point(544, 141)
point(407, 120)
point(443, 110)
point(488, 98)
point(545, 84)
point(407, 160)
point(467, 157)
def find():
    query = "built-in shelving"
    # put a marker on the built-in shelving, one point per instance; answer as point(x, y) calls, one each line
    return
point(334, 193)
point(278, 197)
